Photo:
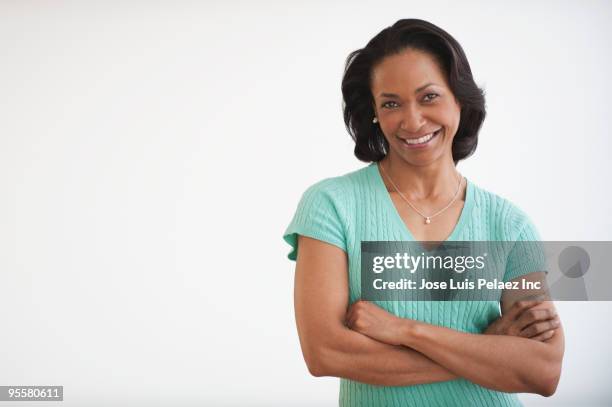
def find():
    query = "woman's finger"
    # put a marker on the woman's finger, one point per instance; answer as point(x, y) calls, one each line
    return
point(519, 307)
point(533, 315)
point(545, 335)
point(538, 328)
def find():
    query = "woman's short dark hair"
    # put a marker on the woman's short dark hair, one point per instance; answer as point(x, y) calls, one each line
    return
point(370, 143)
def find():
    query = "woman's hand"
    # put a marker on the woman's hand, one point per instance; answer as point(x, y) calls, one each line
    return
point(527, 320)
point(373, 321)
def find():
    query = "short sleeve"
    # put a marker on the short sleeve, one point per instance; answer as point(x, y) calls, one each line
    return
point(526, 254)
point(318, 216)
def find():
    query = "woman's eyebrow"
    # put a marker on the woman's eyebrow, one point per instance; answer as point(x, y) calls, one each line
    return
point(420, 88)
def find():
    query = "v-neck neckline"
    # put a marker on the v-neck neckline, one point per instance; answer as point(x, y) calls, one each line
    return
point(386, 197)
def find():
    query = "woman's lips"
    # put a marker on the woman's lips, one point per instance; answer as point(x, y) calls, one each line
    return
point(420, 142)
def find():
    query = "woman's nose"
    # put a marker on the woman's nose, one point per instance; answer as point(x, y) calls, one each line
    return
point(412, 121)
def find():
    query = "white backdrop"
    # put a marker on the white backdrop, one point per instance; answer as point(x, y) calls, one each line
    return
point(152, 154)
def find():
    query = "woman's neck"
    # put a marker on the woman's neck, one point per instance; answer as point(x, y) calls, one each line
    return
point(438, 179)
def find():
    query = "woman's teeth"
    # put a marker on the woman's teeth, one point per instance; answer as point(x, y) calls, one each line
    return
point(423, 139)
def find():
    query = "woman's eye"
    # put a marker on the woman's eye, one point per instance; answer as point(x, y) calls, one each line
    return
point(430, 96)
point(386, 104)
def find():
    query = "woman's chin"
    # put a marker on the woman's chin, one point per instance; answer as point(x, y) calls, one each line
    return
point(422, 158)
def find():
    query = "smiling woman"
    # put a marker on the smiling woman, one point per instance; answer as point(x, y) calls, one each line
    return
point(414, 111)
point(422, 123)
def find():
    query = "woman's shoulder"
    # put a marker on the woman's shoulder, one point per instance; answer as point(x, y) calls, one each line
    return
point(325, 211)
point(502, 214)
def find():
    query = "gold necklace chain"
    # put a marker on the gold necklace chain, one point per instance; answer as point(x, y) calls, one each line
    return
point(427, 218)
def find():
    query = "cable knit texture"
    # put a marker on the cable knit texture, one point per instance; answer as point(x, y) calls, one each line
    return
point(356, 207)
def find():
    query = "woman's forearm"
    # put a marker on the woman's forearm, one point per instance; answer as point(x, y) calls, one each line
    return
point(504, 363)
point(351, 355)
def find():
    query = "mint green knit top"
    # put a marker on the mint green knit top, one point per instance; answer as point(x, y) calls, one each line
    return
point(355, 207)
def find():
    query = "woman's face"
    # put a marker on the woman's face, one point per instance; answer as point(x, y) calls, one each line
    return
point(416, 110)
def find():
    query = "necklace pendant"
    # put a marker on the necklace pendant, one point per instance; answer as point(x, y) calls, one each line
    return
point(427, 221)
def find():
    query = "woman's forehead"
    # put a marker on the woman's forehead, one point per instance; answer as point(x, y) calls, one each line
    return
point(407, 71)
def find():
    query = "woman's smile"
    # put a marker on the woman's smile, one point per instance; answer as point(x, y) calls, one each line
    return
point(421, 142)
